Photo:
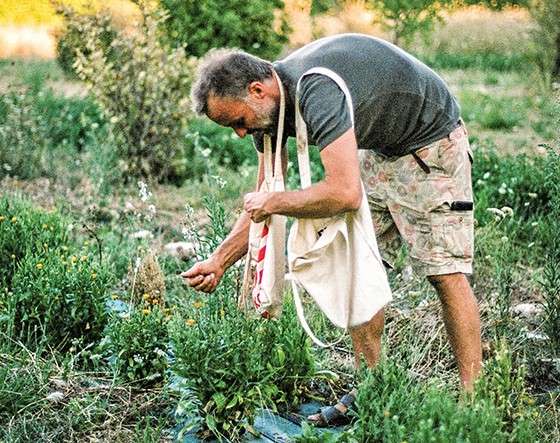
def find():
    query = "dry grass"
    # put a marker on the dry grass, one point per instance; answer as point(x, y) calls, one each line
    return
point(477, 28)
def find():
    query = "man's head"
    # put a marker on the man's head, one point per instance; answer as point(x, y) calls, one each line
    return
point(236, 89)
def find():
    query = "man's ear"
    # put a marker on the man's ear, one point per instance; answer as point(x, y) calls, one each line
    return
point(256, 89)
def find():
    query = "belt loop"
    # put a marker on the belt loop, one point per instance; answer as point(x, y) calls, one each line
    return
point(421, 163)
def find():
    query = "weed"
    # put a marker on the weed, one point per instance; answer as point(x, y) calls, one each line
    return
point(136, 344)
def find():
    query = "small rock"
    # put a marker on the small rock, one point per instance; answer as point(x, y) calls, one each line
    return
point(531, 335)
point(181, 249)
point(55, 396)
point(527, 310)
point(407, 273)
point(142, 234)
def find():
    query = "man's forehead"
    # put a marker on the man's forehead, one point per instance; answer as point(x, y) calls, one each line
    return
point(224, 110)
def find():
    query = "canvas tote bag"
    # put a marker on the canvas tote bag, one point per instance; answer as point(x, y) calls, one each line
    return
point(263, 279)
point(336, 259)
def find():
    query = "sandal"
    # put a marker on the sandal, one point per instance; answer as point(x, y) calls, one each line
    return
point(336, 415)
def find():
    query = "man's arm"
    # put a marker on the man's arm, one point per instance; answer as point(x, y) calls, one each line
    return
point(205, 275)
point(338, 192)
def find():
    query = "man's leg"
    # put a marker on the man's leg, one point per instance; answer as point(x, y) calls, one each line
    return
point(366, 340)
point(462, 322)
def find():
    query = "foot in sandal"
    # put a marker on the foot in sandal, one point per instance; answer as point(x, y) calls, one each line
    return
point(336, 415)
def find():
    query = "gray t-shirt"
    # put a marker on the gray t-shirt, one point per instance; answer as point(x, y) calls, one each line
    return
point(399, 103)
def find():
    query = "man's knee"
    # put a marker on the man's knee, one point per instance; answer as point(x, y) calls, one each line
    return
point(443, 280)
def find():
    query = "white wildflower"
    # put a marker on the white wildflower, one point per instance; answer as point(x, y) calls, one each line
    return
point(143, 191)
point(508, 212)
point(486, 175)
point(498, 212)
point(532, 195)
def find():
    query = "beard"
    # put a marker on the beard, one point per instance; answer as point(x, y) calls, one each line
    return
point(266, 117)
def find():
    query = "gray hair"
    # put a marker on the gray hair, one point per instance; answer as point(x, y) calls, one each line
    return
point(226, 73)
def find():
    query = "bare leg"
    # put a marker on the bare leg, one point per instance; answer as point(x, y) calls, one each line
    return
point(366, 340)
point(462, 322)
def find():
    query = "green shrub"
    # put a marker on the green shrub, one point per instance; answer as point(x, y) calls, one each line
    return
point(546, 37)
point(137, 344)
point(40, 133)
point(205, 24)
point(551, 272)
point(57, 298)
point(143, 94)
point(234, 363)
point(25, 230)
point(512, 181)
point(491, 112)
point(392, 406)
point(481, 59)
point(206, 145)
point(70, 39)
point(406, 18)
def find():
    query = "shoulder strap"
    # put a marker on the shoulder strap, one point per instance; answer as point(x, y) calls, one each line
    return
point(305, 175)
point(275, 173)
point(301, 127)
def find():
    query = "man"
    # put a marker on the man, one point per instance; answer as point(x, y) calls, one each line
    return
point(414, 162)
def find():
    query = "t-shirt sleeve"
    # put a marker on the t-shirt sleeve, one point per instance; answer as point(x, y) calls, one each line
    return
point(324, 109)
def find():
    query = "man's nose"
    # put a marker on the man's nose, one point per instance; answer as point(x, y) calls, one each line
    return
point(241, 132)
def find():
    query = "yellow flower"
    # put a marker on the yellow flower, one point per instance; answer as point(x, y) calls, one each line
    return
point(2, 218)
point(74, 259)
point(198, 304)
point(13, 257)
point(114, 296)
point(14, 219)
point(45, 246)
point(146, 296)
point(93, 275)
point(86, 243)
point(190, 322)
point(39, 265)
point(83, 258)
point(145, 311)
point(45, 226)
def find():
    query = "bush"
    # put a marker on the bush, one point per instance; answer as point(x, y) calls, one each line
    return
point(40, 133)
point(512, 181)
point(235, 364)
point(391, 406)
point(206, 24)
point(546, 36)
point(137, 344)
point(57, 298)
point(143, 94)
point(25, 230)
point(406, 18)
point(551, 273)
point(70, 39)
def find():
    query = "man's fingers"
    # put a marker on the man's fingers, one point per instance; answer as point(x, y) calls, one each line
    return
point(206, 283)
point(195, 280)
point(191, 272)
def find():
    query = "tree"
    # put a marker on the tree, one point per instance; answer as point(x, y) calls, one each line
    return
point(405, 18)
point(547, 36)
point(251, 25)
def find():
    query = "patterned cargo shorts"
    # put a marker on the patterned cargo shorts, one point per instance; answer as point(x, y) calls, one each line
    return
point(424, 200)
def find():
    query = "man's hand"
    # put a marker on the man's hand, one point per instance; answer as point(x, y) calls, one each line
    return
point(205, 275)
point(257, 205)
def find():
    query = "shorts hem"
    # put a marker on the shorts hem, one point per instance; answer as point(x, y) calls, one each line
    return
point(462, 268)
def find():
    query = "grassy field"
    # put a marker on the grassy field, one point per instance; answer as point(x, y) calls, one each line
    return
point(100, 341)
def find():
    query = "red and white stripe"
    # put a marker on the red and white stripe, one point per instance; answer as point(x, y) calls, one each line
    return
point(258, 294)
